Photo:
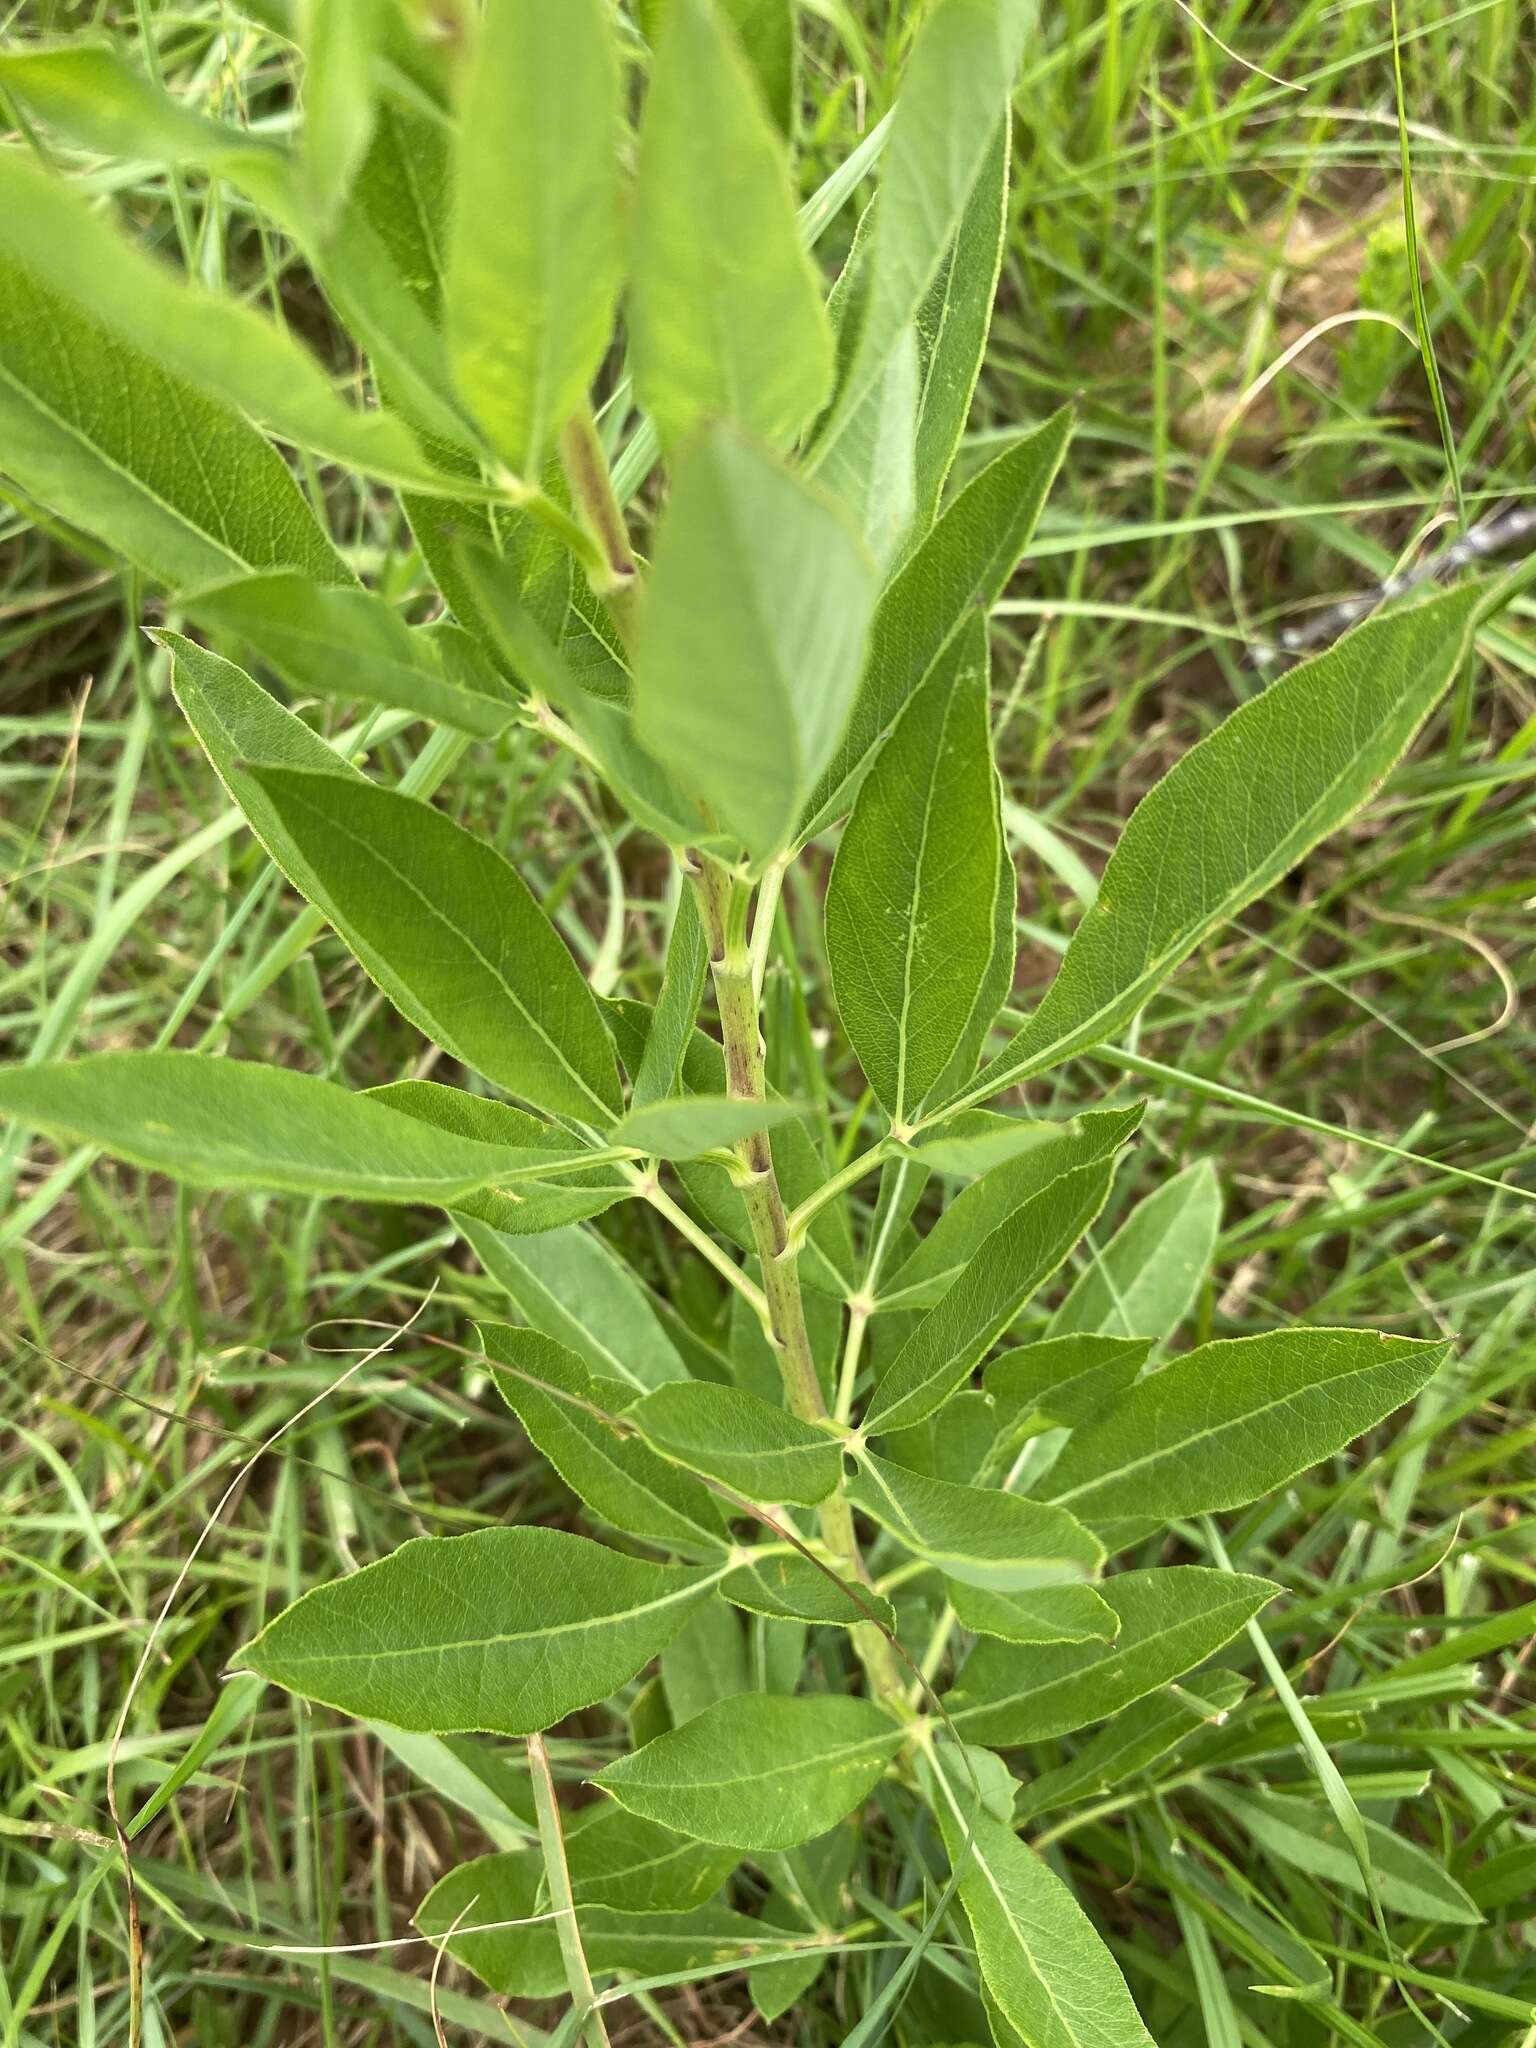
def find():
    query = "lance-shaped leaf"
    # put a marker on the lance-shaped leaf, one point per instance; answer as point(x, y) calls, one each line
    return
point(974, 1533)
point(1133, 1740)
point(1018, 1257)
point(1054, 1982)
point(954, 93)
point(449, 930)
point(1143, 1281)
point(740, 694)
point(759, 1771)
point(761, 1451)
point(909, 912)
point(526, 1207)
point(350, 643)
point(1235, 1419)
point(683, 1127)
point(221, 1123)
point(1171, 1619)
point(177, 482)
point(1062, 1381)
point(216, 344)
point(1239, 810)
point(659, 1068)
point(534, 251)
point(1300, 1832)
point(518, 1953)
point(726, 316)
point(341, 41)
point(1042, 1153)
point(505, 1631)
point(576, 1420)
point(952, 325)
point(1050, 1614)
point(790, 1587)
point(959, 570)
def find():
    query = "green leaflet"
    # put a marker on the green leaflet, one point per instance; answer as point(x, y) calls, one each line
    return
point(684, 1127)
point(1050, 1614)
point(523, 1960)
point(909, 908)
point(1239, 810)
point(960, 569)
point(1045, 1152)
point(1144, 1280)
point(1018, 1257)
point(1062, 1381)
point(349, 643)
point(534, 250)
point(575, 1420)
point(213, 343)
point(955, 90)
point(1052, 1978)
point(738, 695)
point(760, 1451)
point(1171, 1619)
point(84, 422)
point(759, 1771)
point(572, 1287)
point(952, 327)
point(788, 1586)
point(449, 930)
point(974, 1533)
point(1299, 1831)
point(1132, 1741)
point(221, 1123)
point(1235, 1419)
point(524, 1209)
point(504, 1631)
point(725, 317)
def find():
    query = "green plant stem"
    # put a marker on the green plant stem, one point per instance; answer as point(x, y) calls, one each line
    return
point(723, 905)
point(558, 1877)
point(617, 582)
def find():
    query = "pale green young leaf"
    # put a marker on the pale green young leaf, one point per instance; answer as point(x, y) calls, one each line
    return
point(1235, 814)
point(1171, 1619)
point(1049, 1614)
point(954, 93)
point(1299, 1832)
point(726, 318)
point(527, 1207)
point(1132, 1741)
point(767, 31)
point(212, 342)
point(575, 1420)
point(177, 482)
point(1062, 1381)
point(221, 1123)
point(977, 1141)
point(336, 642)
point(976, 1534)
point(760, 1451)
point(671, 1022)
point(1019, 1257)
point(570, 1285)
point(909, 908)
point(790, 1587)
point(1144, 1280)
point(868, 462)
point(450, 931)
point(505, 1631)
point(534, 250)
point(758, 1771)
point(959, 570)
point(740, 694)
point(1236, 1419)
point(1053, 1980)
point(683, 1127)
